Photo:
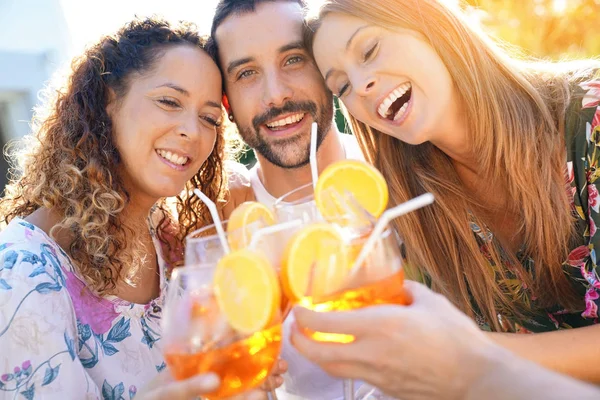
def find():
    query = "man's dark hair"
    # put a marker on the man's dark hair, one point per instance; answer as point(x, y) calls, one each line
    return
point(225, 8)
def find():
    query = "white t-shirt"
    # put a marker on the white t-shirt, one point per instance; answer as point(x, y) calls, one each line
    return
point(351, 149)
point(304, 380)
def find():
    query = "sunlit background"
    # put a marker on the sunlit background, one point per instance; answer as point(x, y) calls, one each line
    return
point(39, 36)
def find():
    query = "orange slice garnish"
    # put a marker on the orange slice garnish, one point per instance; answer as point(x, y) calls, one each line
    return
point(247, 290)
point(243, 222)
point(359, 179)
point(314, 263)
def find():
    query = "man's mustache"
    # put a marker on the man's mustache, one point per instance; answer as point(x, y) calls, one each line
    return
point(289, 107)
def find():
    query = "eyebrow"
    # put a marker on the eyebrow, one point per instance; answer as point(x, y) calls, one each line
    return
point(234, 64)
point(175, 87)
point(299, 45)
point(213, 104)
point(348, 44)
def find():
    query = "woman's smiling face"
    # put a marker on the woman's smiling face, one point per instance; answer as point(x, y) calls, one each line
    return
point(392, 80)
point(165, 126)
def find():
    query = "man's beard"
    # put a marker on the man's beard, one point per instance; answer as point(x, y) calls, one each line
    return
point(290, 152)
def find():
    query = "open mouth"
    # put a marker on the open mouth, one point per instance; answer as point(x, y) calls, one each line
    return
point(286, 122)
point(395, 105)
point(173, 158)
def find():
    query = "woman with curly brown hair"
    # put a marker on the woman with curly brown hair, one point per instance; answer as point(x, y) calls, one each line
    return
point(81, 284)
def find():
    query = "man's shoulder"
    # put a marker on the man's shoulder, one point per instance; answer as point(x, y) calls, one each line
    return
point(238, 176)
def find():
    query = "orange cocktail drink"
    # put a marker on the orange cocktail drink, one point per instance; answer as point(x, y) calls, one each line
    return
point(240, 365)
point(224, 319)
point(319, 273)
point(319, 270)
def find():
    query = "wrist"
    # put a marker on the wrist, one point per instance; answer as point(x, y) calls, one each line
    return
point(490, 363)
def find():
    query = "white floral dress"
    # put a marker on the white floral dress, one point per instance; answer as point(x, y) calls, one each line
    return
point(58, 340)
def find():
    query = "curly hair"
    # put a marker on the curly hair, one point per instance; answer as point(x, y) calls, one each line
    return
point(69, 164)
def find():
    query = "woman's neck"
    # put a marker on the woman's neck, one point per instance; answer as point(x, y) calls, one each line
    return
point(490, 197)
point(492, 204)
point(143, 283)
point(453, 138)
point(146, 276)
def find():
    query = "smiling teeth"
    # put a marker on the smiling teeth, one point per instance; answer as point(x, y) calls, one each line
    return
point(292, 119)
point(384, 109)
point(401, 112)
point(171, 157)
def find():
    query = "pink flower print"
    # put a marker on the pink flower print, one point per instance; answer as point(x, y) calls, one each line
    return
point(578, 256)
point(90, 309)
point(593, 197)
point(590, 277)
point(592, 97)
point(596, 120)
point(591, 308)
point(592, 225)
point(6, 377)
point(17, 370)
point(571, 190)
point(26, 368)
point(588, 173)
point(570, 173)
point(554, 320)
point(132, 391)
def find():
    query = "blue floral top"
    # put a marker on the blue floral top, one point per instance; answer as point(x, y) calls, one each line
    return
point(59, 340)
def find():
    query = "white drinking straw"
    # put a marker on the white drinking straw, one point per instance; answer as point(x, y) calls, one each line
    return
point(216, 219)
point(391, 214)
point(313, 154)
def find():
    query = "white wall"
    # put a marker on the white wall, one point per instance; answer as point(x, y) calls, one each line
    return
point(34, 26)
point(34, 41)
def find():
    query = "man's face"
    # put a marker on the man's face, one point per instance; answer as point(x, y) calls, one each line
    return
point(274, 88)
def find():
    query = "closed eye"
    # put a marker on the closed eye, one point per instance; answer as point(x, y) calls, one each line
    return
point(343, 89)
point(369, 53)
point(168, 102)
point(214, 122)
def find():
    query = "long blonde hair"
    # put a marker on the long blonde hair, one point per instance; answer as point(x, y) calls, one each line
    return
point(516, 115)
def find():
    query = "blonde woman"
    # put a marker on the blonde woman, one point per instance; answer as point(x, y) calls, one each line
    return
point(81, 285)
point(509, 147)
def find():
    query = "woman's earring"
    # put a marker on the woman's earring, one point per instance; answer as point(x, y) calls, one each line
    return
point(231, 117)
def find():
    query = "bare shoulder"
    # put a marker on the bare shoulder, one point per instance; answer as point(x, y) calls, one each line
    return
point(239, 188)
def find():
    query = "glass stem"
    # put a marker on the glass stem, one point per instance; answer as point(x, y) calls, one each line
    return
point(348, 389)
